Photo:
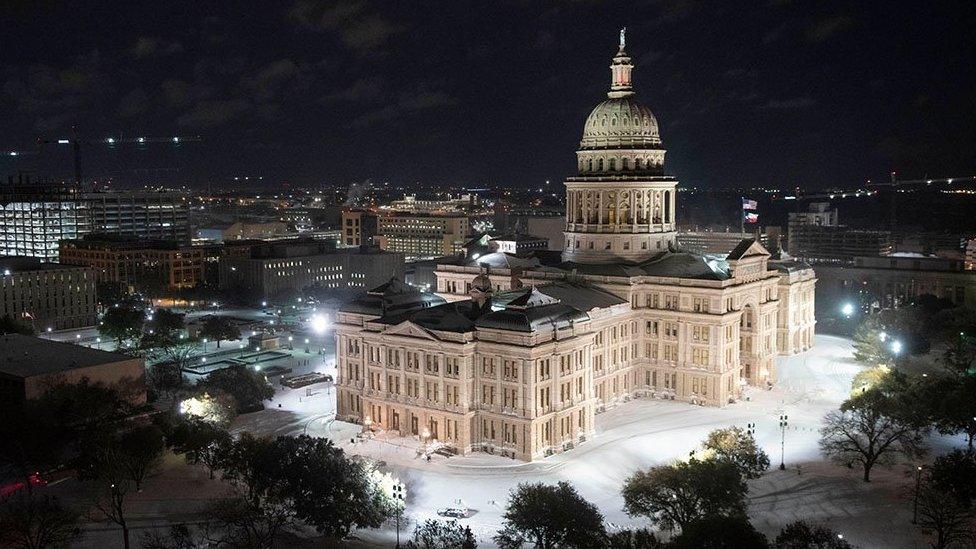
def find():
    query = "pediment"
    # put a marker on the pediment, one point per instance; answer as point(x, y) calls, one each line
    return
point(409, 329)
point(755, 249)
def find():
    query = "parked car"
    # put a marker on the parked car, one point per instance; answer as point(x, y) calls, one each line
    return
point(453, 512)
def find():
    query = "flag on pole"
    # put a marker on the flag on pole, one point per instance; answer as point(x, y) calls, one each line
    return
point(752, 218)
point(749, 204)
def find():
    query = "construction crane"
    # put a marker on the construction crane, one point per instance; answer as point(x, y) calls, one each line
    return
point(110, 142)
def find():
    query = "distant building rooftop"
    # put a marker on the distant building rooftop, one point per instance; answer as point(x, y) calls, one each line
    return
point(15, 264)
point(26, 356)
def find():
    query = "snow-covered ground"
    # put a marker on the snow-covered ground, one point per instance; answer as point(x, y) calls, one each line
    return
point(639, 434)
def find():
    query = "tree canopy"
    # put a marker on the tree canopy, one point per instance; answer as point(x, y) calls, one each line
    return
point(550, 516)
point(673, 496)
point(738, 447)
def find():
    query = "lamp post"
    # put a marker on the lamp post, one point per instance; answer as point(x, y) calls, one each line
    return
point(918, 481)
point(399, 501)
point(783, 423)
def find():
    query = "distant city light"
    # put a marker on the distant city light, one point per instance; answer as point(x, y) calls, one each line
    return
point(63, 141)
point(883, 336)
point(110, 140)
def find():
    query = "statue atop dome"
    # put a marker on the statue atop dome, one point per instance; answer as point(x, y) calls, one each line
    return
point(623, 38)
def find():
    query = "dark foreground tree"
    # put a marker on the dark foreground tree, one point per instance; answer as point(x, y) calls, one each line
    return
point(313, 473)
point(719, 532)
point(738, 447)
point(434, 534)
point(199, 441)
point(870, 429)
point(29, 520)
point(803, 535)
point(945, 518)
point(122, 323)
point(673, 496)
point(955, 474)
point(633, 539)
point(139, 452)
point(219, 328)
point(9, 325)
point(306, 477)
point(249, 388)
point(550, 516)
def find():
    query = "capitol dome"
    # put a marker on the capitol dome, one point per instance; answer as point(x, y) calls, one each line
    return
point(621, 135)
point(620, 122)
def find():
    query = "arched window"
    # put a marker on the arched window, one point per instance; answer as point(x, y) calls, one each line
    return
point(637, 164)
point(667, 206)
point(626, 162)
point(599, 164)
point(613, 121)
point(590, 165)
point(613, 164)
point(626, 120)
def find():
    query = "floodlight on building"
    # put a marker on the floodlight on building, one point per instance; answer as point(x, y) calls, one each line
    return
point(319, 324)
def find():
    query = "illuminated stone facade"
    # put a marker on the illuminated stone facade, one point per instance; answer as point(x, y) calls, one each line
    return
point(516, 354)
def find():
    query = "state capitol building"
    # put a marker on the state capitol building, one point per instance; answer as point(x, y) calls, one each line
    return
point(516, 354)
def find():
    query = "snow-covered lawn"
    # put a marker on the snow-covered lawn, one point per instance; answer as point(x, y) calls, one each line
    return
point(639, 434)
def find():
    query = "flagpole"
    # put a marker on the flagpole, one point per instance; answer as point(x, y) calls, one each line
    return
point(742, 215)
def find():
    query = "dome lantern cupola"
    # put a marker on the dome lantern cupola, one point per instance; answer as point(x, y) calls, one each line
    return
point(620, 70)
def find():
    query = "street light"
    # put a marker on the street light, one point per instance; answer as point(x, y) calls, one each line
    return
point(896, 347)
point(783, 423)
point(918, 480)
point(399, 502)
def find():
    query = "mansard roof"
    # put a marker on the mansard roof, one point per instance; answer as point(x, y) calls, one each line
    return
point(558, 304)
point(392, 297)
point(668, 264)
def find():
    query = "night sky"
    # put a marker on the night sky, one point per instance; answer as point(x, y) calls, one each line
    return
point(775, 93)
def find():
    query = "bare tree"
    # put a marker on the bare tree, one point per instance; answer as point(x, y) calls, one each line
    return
point(109, 502)
point(32, 521)
point(944, 517)
point(867, 431)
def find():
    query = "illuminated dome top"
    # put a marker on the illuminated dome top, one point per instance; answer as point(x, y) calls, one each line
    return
point(621, 122)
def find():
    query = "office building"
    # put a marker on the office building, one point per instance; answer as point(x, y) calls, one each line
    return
point(894, 281)
point(34, 218)
point(136, 263)
point(358, 227)
point(716, 242)
point(272, 269)
point(29, 366)
point(422, 236)
point(47, 296)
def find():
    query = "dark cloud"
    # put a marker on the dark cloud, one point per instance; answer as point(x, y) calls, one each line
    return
point(269, 79)
point(421, 99)
point(793, 103)
point(212, 113)
point(827, 28)
point(359, 27)
point(134, 103)
point(148, 46)
point(364, 89)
